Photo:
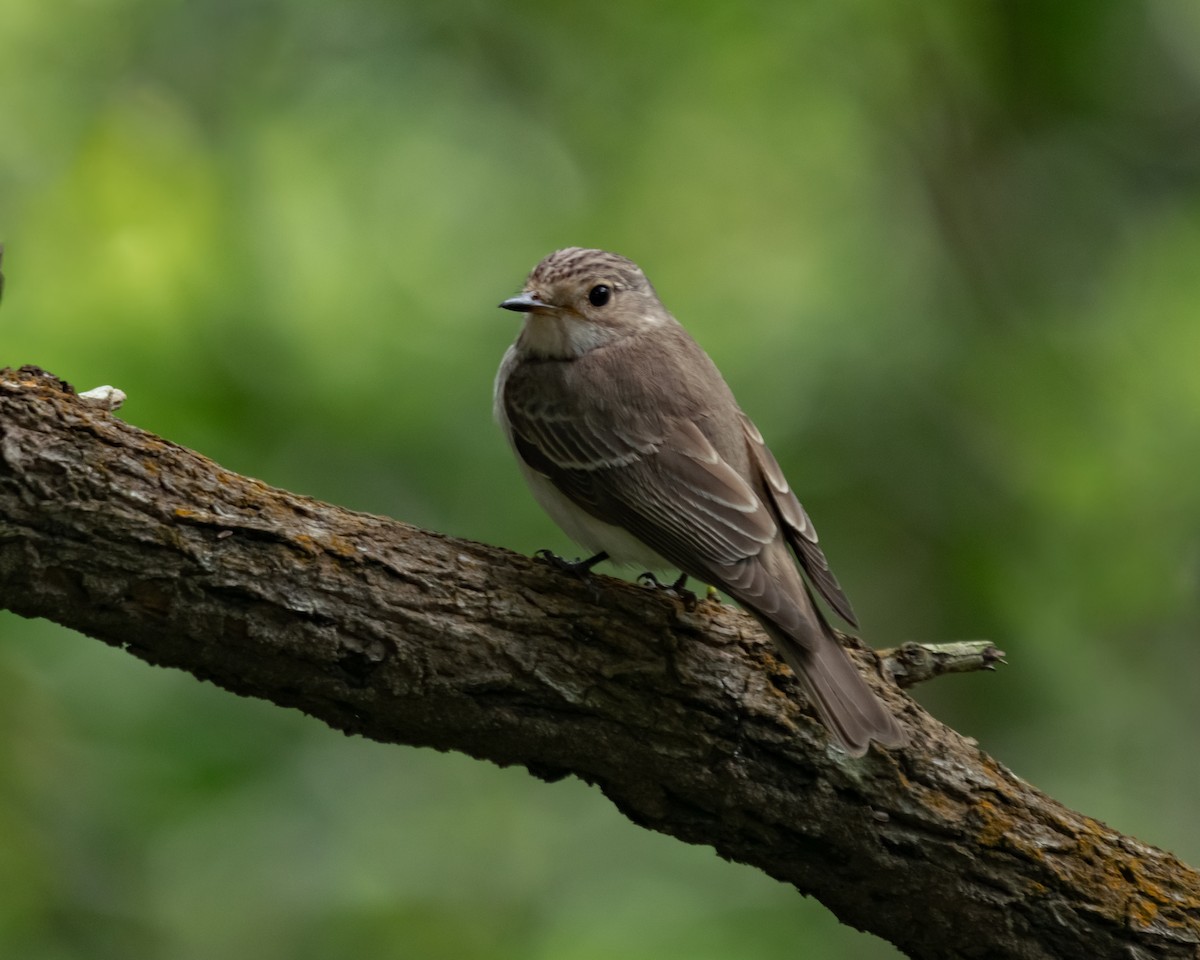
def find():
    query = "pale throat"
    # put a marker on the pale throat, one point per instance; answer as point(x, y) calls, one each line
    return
point(561, 336)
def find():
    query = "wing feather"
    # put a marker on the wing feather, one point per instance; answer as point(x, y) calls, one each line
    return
point(798, 528)
point(658, 477)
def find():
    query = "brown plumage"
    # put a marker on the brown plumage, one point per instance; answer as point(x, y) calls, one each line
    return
point(632, 441)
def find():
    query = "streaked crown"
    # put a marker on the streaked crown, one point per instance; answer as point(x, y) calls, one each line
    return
point(576, 263)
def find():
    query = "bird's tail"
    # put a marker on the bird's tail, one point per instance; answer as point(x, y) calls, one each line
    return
point(848, 707)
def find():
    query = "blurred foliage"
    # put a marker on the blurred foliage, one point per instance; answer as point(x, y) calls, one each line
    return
point(945, 254)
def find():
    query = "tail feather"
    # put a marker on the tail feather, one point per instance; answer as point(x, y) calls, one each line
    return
point(847, 706)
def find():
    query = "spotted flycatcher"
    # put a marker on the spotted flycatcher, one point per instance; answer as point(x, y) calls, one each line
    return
point(631, 440)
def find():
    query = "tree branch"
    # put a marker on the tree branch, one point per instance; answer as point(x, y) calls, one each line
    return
point(914, 663)
point(683, 718)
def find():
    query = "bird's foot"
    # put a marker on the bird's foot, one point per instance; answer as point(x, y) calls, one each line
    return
point(578, 568)
point(679, 588)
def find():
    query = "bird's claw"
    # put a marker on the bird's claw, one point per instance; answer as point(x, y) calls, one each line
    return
point(678, 588)
point(579, 567)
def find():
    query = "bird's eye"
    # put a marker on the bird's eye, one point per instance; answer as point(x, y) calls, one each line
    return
point(598, 295)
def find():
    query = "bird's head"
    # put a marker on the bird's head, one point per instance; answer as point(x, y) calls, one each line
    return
point(576, 300)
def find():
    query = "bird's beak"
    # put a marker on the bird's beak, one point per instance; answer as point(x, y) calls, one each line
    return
point(525, 303)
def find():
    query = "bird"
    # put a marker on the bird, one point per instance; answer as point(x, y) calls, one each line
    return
point(631, 440)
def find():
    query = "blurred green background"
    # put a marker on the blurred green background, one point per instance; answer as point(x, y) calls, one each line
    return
point(945, 253)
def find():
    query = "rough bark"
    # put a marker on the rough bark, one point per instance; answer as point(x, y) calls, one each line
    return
point(683, 718)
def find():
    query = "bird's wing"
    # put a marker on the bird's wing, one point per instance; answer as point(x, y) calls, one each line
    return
point(657, 477)
point(798, 528)
point(660, 478)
